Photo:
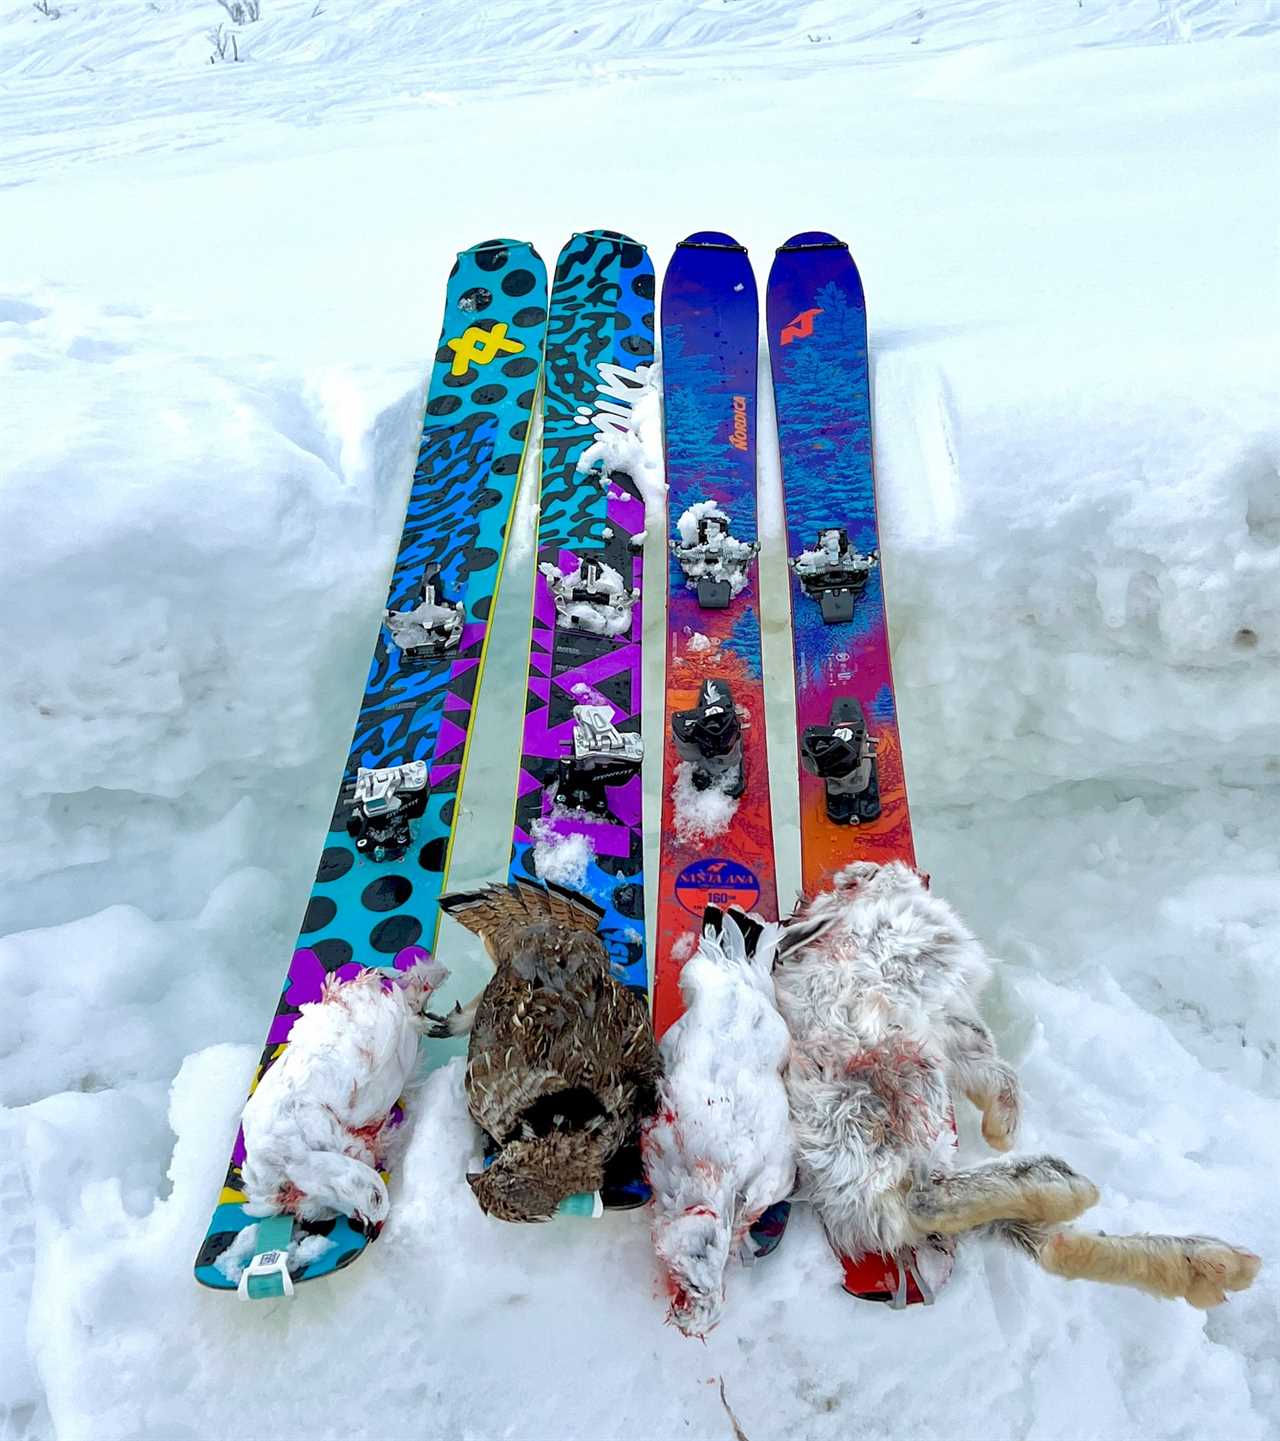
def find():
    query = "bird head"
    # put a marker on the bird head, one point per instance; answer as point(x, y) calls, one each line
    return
point(369, 1208)
point(529, 1177)
point(694, 1250)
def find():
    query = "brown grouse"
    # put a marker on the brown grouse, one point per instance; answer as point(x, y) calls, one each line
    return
point(562, 1065)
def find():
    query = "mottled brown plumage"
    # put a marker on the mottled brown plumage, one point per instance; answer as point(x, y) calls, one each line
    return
point(562, 1064)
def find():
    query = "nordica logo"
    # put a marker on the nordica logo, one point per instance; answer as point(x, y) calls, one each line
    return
point(618, 388)
point(801, 327)
point(738, 437)
point(717, 882)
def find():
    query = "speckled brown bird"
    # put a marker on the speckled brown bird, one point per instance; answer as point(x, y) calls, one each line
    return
point(562, 1065)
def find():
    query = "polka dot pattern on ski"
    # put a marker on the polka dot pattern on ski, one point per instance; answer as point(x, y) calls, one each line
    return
point(387, 893)
point(389, 936)
point(384, 913)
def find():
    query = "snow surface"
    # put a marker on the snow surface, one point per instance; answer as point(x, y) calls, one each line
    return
point(219, 291)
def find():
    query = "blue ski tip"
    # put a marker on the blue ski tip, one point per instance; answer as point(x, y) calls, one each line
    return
point(711, 240)
point(611, 235)
point(813, 240)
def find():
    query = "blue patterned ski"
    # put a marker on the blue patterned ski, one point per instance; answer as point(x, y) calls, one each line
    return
point(584, 677)
point(386, 857)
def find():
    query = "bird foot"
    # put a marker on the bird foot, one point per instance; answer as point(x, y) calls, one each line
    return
point(440, 1027)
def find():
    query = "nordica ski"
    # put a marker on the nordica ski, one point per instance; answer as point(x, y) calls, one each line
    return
point(717, 839)
point(717, 835)
point(853, 796)
point(374, 903)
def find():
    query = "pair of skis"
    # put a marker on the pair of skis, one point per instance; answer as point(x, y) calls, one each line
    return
point(717, 844)
point(578, 807)
point(386, 858)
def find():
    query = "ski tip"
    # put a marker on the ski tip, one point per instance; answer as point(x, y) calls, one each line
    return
point(500, 244)
point(813, 240)
point(710, 240)
point(609, 235)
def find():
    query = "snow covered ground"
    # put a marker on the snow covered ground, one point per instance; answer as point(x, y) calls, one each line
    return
point(219, 286)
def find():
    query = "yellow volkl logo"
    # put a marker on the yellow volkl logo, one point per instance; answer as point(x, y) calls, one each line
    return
point(480, 346)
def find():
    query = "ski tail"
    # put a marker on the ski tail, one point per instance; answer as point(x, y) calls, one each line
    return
point(496, 908)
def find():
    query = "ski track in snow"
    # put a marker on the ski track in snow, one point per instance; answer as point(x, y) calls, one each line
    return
point(219, 289)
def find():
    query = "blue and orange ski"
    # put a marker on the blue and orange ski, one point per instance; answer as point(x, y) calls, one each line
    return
point(853, 794)
point(717, 831)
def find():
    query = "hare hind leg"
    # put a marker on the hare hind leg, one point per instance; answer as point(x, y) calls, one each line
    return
point(1038, 1189)
point(1198, 1269)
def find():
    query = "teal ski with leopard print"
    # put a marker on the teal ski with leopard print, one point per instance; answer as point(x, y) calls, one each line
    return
point(386, 857)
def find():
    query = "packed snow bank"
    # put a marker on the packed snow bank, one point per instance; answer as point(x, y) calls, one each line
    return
point(221, 287)
point(1088, 573)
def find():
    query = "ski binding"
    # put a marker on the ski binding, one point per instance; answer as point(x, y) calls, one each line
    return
point(386, 800)
point(713, 559)
point(603, 756)
point(843, 754)
point(433, 627)
point(710, 737)
point(591, 598)
point(834, 573)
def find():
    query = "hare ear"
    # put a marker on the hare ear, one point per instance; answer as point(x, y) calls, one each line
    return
point(799, 933)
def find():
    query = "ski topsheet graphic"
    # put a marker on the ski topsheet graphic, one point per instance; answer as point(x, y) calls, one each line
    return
point(717, 840)
point(717, 834)
point(578, 810)
point(374, 903)
point(853, 797)
point(578, 804)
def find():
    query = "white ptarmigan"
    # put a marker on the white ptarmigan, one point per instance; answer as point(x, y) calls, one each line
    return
point(316, 1128)
point(719, 1151)
point(880, 1000)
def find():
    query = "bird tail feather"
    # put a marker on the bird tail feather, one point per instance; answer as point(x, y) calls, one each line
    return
point(495, 908)
point(742, 936)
